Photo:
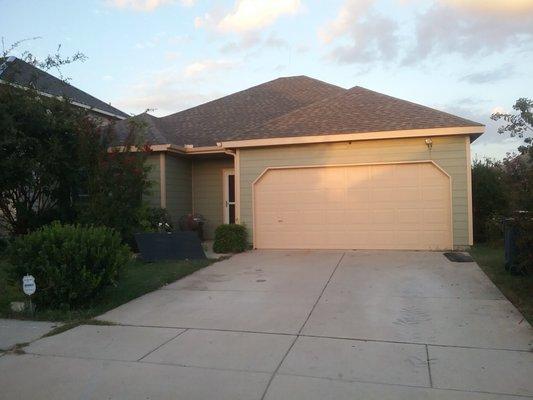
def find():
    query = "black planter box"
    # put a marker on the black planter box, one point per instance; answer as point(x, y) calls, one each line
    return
point(170, 246)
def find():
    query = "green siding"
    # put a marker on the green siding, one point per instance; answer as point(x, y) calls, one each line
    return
point(153, 197)
point(207, 191)
point(448, 152)
point(178, 186)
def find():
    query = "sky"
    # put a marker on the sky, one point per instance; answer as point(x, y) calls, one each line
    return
point(467, 57)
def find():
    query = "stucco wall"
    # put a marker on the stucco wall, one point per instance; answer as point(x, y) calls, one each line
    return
point(448, 152)
point(207, 191)
point(178, 186)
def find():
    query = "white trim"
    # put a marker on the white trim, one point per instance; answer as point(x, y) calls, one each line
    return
point(254, 183)
point(62, 98)
point(163, 180)
point(237, 165)
point(350, 137)
point(469, 192)
point(225, 194)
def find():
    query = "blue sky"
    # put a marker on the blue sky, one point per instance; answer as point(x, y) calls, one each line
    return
point(467, 57)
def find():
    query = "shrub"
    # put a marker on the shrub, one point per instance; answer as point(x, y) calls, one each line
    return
point(230, 238)
point(71, 263)
point(155, 219)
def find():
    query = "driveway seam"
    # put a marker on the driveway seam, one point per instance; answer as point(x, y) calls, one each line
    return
point(301, 328)
point(429, 367)
point(329, 337)
point(162, 344)
point(402, 385)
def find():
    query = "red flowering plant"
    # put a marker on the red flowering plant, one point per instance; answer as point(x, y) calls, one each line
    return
point(116, 180)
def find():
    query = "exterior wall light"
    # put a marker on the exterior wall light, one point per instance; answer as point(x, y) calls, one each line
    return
point(429, 143)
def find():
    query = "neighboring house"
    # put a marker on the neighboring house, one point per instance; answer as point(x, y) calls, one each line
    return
point(309, 165)
point(17, 72)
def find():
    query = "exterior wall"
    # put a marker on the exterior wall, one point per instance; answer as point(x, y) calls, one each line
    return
point(207, 191)
point(449, 152)
point(154, 196)
point(178, 181)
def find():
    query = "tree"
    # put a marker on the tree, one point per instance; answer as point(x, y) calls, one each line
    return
point(519, 181)
point(519, 125)
point(488, 196)
point(55, 163)
point(38, 167)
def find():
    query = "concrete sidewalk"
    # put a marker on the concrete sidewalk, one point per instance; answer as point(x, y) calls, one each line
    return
point(295, 325)
point(13, 331)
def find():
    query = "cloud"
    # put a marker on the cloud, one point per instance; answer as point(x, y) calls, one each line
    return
point(349, 13)
point(494, 6)
point(471, 28)
point(468, 28)
point(166, 91)
point(370, 36)
point(146, 5)
point(202, 67)
point(249, 15)
point(255, 39)
point(495, 75)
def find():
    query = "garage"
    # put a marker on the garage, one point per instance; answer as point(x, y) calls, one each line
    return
point(371, 206)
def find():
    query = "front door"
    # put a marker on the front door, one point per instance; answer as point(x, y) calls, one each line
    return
point(229, 196)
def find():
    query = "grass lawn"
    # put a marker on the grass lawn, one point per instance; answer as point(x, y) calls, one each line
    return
point(137, 279)
point(518, 289)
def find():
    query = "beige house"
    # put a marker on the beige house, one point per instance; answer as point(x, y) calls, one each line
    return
point(309, 165)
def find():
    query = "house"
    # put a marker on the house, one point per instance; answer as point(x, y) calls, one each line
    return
point(16, 72)
point(308, 165)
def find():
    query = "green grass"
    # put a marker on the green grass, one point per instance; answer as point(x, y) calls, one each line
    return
point(518, 289)
point(136, 279)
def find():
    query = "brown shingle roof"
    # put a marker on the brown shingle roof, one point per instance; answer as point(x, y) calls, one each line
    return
point(19, 72)
point(292, 106)
point(208, 123)
point(354, 111)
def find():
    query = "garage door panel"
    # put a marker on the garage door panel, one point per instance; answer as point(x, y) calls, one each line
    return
point(357, 218)
point(409, 216)
point(396, 206)
point(382, 194)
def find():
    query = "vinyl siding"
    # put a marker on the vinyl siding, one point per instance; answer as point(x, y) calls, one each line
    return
point(448, 152)
point(153, 197)
point(207, 191)
point(179, 186)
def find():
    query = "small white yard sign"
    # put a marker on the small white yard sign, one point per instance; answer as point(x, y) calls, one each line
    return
point(28, 285)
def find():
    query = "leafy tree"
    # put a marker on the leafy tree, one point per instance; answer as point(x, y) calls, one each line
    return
point(115, 183)
point(488, 196)
point(38, 167)
point(55, 163)
point(520, 124)
point(519, 181)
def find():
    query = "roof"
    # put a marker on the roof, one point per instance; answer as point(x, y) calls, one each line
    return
point(16, 71)
point(207, 124)
point(289, 107)
point(354, 111)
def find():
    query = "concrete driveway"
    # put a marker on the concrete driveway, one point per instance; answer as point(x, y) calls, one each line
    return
point(295, 325)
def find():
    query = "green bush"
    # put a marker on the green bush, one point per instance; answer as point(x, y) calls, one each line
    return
point(155, 219)
point(71, 263)
point(230, 238)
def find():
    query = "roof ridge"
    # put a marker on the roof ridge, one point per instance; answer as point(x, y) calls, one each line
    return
point(254, 87)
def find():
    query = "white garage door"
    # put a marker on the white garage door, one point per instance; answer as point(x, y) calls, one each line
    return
point(387, 206)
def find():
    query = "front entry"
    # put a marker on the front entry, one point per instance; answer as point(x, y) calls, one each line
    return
point(229, 195)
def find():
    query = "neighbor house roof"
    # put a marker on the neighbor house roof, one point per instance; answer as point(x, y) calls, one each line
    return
point(291, 107)
point(18, 72)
